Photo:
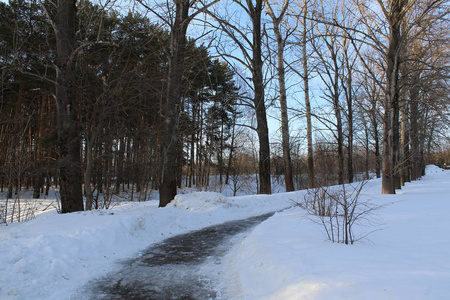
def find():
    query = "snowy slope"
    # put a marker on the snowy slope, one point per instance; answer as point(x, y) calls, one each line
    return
point(288, 256)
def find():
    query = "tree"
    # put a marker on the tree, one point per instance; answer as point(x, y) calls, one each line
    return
point(172, 107)
point(248, 40)
point(303, 39)
point(328, 50)
point(423, 92)
point(311, 174)
point(401, 18)
point(281, 42)
point(349, 61)
point(64, 24)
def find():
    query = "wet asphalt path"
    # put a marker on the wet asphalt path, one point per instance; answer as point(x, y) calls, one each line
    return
point(173, 268)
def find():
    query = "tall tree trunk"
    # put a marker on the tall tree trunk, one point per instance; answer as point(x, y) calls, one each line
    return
point(348, 88)
point(192, 147)
point(259, 103)
point(88, 192)
point(390, 178)
point(415, 138)
point(180, 161)
point(405, 153)
point(374, 121)
point(311, 174)
point(68, 127)
point(220, 154)
point(285, 144)
point(119, 164)
point(337, 113)
point(231, 155)
point(39, 179)
point(171, 109)
point(366, 146)
point(284, 115)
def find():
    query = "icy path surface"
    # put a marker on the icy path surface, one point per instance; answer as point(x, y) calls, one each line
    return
point(187, 266)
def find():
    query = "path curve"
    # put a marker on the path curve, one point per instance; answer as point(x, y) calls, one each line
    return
point(172, 269)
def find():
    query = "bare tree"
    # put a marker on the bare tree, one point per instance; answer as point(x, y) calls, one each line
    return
point(311, 175)
point(248, 40)
point(388, 28)
point(281, 43)
point(171, 109)
point(303, 40)
point(328, 49)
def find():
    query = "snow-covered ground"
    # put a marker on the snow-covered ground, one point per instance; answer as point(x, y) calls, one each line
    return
point(52, 256)
point(286, 257)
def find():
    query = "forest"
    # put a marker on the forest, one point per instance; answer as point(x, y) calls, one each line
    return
point(100, 98)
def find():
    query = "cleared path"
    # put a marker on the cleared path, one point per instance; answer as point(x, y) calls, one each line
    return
point(174, 268)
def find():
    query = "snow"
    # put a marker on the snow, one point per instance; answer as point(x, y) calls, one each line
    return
point(52, 256)
point(288, 257)
point(200, 201)
point(285, 257)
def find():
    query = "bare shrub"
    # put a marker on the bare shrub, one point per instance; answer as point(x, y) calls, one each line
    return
point(339, 209)
point(240, 182)
point(17, 210)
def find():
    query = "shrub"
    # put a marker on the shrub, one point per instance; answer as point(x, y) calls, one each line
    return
point(339, 209)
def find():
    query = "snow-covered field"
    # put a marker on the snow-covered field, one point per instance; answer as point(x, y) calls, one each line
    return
point(286, 257)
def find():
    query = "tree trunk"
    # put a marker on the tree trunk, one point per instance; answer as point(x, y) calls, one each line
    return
point(171, 109)
point(68, 128)
point(220, 155)
point(390, 179)
point(311, 175)
point(88, 173)
point(415, 138)
point(348, 87)
point(192, 148)
point(374, 121)
point(337, 113)
point(285, 144)
point(260, 107)
point(230, 157)
point(119, 164)
point(284, 113)
point(405, 154)
point(366, 158)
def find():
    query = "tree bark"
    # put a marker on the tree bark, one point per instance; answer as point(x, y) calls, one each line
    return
point(88, 173)
point(259, 103)
point(390, 178)
point(68, 127)
point(337, 113)
point(311, 174)
point(405, 153)
point(415, 139)
point(374, 123)
point(285, 144)
point(348, 88)
point(171, 109)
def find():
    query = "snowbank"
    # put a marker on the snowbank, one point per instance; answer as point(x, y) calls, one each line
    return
point(200, 201)
point(432, 169)
point(288, 256)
